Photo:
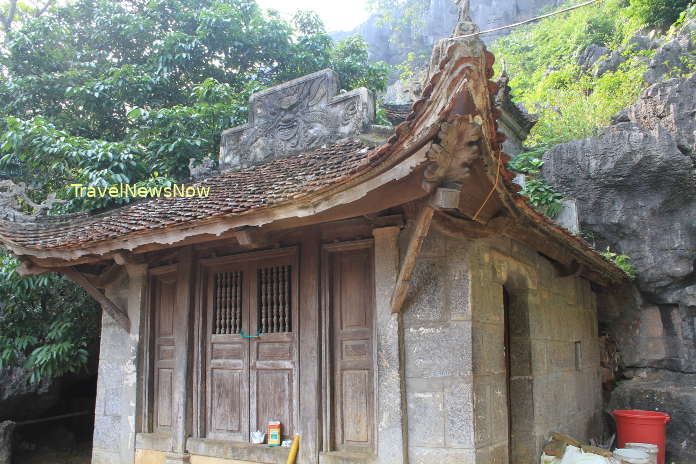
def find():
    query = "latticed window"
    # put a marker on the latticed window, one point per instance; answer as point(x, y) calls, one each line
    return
point(227, 305)
point(274, 299)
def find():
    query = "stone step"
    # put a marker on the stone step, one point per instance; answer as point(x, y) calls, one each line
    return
point(343, 457)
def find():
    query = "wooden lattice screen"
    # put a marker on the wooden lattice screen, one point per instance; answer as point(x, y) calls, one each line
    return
point(274, 299)
point(228, 303)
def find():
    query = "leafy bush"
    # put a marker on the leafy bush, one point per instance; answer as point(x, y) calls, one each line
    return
point(47, 322)
point(571, 103)
point(539, 192)
point(622, 261)
point(658, 13)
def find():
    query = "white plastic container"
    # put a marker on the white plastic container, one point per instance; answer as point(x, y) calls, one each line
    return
point(652, 450)
point(631, 456)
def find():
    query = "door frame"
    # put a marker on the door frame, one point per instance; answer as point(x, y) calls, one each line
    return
point(327, 353)
point(147, 349)
point(204, 267)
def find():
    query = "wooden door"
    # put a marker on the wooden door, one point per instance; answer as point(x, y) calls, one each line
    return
point(250, 379)
point(164, 344)
point(273, 355)
point(227, 357)
point(351, 310)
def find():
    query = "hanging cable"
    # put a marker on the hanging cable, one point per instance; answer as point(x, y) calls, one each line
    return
point(527, 21)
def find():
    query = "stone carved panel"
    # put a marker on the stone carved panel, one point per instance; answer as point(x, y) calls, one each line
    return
point(296, 116)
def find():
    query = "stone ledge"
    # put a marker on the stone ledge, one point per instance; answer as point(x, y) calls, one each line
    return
point(342, 457)
point(237, 450)
point(153, 441)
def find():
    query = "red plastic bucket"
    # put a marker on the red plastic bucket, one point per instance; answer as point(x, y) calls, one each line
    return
point(636, 426)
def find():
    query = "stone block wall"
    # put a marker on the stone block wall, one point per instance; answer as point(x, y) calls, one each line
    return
point(455, 364)
point(115, 419)
point(113, 357)
point(555, 362)
point(438, 364)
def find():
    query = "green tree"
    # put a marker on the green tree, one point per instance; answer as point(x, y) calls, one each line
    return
point(47, 323)
point(102, 92)
point(659, 13)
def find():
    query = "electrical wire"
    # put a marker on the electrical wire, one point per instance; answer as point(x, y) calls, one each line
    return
point(527, 21)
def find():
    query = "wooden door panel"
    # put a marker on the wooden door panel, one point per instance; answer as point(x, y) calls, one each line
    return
point(164, 398)
point(351, 303)
point(250, 380)
point(274, 313)
point(226, 405)
point(164, 290)
point(356, 389)
point(274, 394)
point(227, 395)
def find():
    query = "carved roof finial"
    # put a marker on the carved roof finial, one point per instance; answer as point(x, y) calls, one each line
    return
point(465, 25)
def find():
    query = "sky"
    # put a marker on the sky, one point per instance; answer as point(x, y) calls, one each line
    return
point(338, 15)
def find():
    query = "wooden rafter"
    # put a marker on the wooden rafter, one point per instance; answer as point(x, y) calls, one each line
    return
point(117, 313)
point(420, 231)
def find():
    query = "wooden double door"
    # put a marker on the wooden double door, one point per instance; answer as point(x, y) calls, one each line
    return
point(251, 358)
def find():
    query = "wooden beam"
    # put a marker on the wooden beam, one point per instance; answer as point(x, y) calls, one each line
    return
point(420, 231)
point(117, 314)
point(252, 238)
point(105, 278)
point(183, 333)
point(459, 228)
point(28, 269)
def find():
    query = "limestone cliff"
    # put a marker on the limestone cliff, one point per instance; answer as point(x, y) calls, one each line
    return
point(438, 22)
point(635, 187)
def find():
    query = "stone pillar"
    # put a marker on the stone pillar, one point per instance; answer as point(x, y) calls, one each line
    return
point(130, 392)
point(392, 447)
point(116, 360)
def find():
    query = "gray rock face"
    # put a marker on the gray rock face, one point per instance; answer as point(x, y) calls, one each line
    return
point(20, 399)
point(591, 55)
point(675, 393)
point(296, 116)
point(438, 23)
point(635, 187)
point(612, 61)
point(6, 431)
point(675, 57)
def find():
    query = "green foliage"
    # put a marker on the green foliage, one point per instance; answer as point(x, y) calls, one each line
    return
point(47, 323)
point(658, 13)
point(351, 61)
point(569, 102)
point(103, 92)
point(539, 192)
point(622, 261)
point(580, 106)
point(572, 103)
point(381, 116)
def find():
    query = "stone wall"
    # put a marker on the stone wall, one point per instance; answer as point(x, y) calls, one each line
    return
point(115, 417)
point(554, 343)
point(454, 341)
point(438, 364)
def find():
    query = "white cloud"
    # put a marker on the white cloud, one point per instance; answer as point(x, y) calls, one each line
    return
point(337, 15)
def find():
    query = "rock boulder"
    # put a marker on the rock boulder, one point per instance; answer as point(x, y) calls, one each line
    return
point(635, 188)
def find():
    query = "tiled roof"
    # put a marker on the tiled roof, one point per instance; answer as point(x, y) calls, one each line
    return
point(233, 192)
point(300, 176)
